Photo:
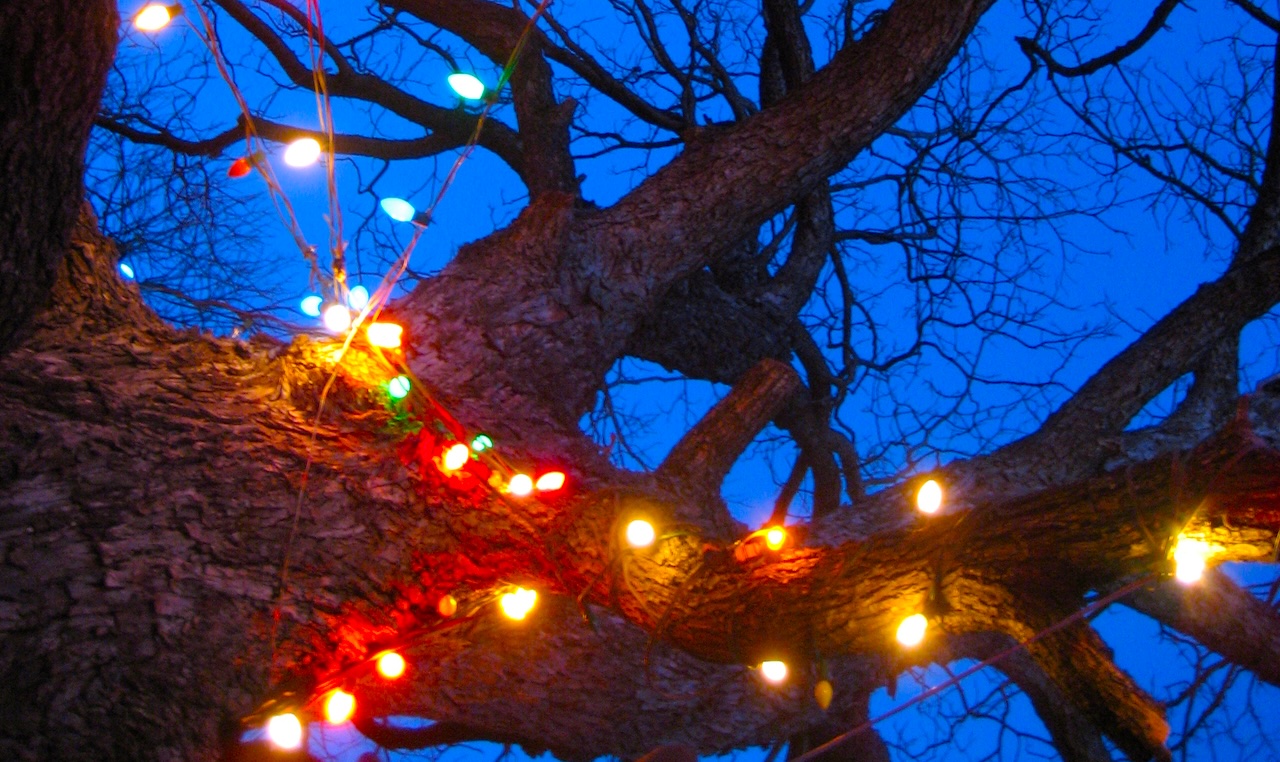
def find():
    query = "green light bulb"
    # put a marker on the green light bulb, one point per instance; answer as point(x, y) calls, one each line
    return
point(398, 387)
point(481, 442)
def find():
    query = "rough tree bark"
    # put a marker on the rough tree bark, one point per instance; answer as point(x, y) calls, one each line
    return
point(153, 483)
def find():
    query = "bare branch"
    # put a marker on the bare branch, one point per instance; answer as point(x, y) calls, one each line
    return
point(1112, 58)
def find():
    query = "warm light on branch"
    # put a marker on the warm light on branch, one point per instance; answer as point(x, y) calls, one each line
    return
point(385, 335)
point(456, 457)
point(773, 671)
point(517, 604)
point(550, 481)
point(285, 731)
point(155, 16)
point(1189, 558)
point(929, 498)
point(466, 85)
point(302, 152)
point(447, 606)
point(911, 631)
point(337, 319)
point(775, 537)
point(520, 485)
point(339, 707)
point(391, 665)
point(640, 534)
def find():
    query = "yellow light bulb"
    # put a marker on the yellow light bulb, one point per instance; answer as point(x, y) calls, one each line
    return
point(911, 630)
point(775, 537)
point(285, 731)
point(339, 707)
point(520, 485)
point(456, 457)
point(929, 498)
point(773, 671)
point(640, 534)
point(337, 318)
point(385, 335)
point(550, 481)
point(391, 665)
point(302, 152)
point(1190, 556)
point(823, 693)
point(517, 605)
point(447, 606)
point(153, 17)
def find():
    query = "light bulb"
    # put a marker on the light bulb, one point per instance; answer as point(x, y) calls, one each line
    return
point(773, 671)
point(456, 457)
point(466, 85)
point(337, 318)
point(285, 731)
point(520, 485)
point(481, 442)
point(311, 305)
point(550, 481)
point(127, 271)
point(640, 534)
point(398, 387)
point(385, 335)
point(911, 630)
point(358, 298)
point(517, 605)
point(1190, 556)
point(447, 606)
point(154, 17)
point(391, 665)
point(302, 152)
point(397, 209)
point(929, 498)
point(339, 707)
point(775, 537)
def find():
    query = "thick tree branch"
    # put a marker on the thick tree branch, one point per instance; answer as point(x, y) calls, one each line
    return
point(1111, 58)
point(1222, 616)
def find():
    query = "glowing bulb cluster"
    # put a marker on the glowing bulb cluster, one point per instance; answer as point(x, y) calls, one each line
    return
point(518, 603)
point(929, 498)
point(1190, 557)
point(912, 629)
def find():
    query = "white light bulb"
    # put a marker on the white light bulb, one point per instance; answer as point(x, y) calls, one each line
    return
point(397, 209)
point(929, 498)
point(358, 298)
point(640, 534)
point(466, 85)
point(337, 318)
point(302, 152)
point(152, 18)
point(773, 671)
point(911, 631)
point(311, 306)
point(285, 731)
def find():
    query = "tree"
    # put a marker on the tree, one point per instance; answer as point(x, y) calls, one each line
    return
point(198, 531)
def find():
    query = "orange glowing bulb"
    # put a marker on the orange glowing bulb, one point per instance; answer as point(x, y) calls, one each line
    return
point(391, 665)
point(517, 604)
point(456, 457)
point(640, 534)
point(775, 537)
point(339, 707)
point(550, 481)
point(911, 630)
point(447, 606)
point(773, 671)
point(929, 498)
point(520, 485)
point(385, 335)
point(154, 17)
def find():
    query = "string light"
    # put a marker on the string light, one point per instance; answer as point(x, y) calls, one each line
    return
point(337, 318)
point(775, 537)
point(311, 305)
point(154, 17)
point(358, 298)
point(398, 387)
point(911, 630)
point(127, 271)
point(520, 485)
point(466, 85)
point(285, 731)
point(517, 604)
point(550, 481)
point(1189, 558)
point(823, 693)
point(302, 152)
point(929, 498)
point(773, 671)
point(391, 665)
point(640, 534)
point(447, 606)
point(456, 457)
point(239, 168)
point(397, 209)
point(339, 707)
point(481, 442)
point(385, 335)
